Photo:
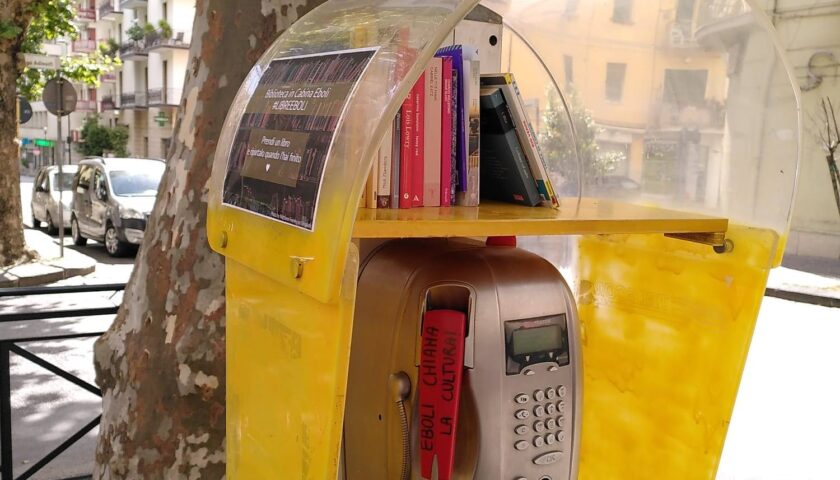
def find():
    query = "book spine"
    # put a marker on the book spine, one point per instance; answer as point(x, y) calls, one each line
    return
point(396, 145)
point(535, 149)
point(384, 172)
point(446, 133)
point(469, 197)
point(371, 197)
point(432, 133)
point(456, 130)
point(417, 166)
point(407, 150)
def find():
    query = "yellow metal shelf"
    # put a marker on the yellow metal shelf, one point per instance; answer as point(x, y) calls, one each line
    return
point(589, 216)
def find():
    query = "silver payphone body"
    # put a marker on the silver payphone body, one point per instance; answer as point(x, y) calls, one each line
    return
point(519, 415)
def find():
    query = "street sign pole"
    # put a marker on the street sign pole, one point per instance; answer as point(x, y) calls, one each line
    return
point(60, 146)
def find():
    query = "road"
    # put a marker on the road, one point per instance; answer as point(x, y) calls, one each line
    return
point(47, 409)
point(783, 427)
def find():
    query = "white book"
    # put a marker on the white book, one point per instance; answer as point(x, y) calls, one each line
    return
point(431, 162)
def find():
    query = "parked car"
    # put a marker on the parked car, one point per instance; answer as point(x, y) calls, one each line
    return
point(112, 201)
point(45, 196)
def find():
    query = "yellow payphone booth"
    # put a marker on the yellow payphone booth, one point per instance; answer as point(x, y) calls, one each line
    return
point(671, 132)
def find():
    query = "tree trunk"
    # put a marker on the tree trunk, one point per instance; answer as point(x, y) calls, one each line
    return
point(161, 365)
point(12, 247)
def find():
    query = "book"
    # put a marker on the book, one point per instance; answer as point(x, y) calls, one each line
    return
point(383, 178)
point(407, 120)
point(453, 162)
point(419, 141)
point(446, 134)
point(396, 148)
point(371, 184)
point(469, 193)
point(525, 132)
point(456, 52)
point(433, 118)
point(505, 173)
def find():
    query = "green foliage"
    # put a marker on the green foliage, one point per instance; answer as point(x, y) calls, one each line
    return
point(99, 140)
point(51, 19)
point(110, 48)
point(9, 30)
point(558, 143)
point(149, 30)
point(135, 32)
point(165, 29)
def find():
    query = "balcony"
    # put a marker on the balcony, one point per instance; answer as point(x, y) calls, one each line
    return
point(107, 11)
point(84, 46)
point(134, 4)
point(134, 50)
point(108, 103)
point(709, 114)
point(158, 42)
point(133, 100)
point(85, 15)
point(681, 35)
point(164, 97)
point(86, 105)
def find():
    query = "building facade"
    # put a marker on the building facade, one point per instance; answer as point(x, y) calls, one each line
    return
point(152, 38)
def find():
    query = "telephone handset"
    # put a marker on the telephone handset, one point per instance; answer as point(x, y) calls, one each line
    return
point(517, 415)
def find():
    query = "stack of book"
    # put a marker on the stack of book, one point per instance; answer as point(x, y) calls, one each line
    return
point(429, 157)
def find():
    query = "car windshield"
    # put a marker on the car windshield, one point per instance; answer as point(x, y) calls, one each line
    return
point(66, 182)
point(132, 183)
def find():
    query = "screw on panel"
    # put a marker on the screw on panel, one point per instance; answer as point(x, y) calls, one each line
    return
point(727, 247)
point(298, 264)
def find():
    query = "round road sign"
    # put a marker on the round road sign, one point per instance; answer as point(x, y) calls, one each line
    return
point(60, 97)
point(24, 110)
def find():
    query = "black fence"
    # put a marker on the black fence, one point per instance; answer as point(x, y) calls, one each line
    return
point(9, 346)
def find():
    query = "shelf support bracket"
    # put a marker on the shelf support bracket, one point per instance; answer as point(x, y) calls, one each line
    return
point(714, 239)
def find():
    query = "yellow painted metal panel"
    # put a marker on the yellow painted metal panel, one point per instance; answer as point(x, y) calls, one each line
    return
point(589, 216)
point(666, 329)
point(287, 357)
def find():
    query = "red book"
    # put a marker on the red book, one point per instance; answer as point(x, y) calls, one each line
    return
point(441, 372)
point(446, 135)
point(418, 158)
point(407, 149)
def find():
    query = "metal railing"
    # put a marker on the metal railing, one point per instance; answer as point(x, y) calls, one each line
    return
point(9, 346)
point(107, 9)
point(164, 96)
point(157, 40)
point(86, 14)
point(84, 46)
point(108, 103)
point(133, 48)
point(133, 100)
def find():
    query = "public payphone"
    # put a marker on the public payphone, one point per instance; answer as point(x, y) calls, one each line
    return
point(519, 412)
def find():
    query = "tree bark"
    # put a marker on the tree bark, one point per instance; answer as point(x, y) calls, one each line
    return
point(12, 246)
point(161, 365)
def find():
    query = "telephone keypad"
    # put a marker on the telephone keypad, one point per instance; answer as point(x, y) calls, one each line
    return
point(547, 407)
point(520, 429)
point(539, 396)
point(551, 423)
point(520, 445)
point(539, 442)
point(550, 439)
point(550, 409)
point(561, 391)
point(561, 406)
point(549, 393)
point(539, 426)
point(522, 414)
point(521, 398)
point(539, 410)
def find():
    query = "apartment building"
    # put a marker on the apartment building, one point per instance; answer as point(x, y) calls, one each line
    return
point(643, 77)
point(143, 94)
point(154, 39)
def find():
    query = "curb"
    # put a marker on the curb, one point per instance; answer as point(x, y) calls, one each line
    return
point(801, 297)
point(50, 268)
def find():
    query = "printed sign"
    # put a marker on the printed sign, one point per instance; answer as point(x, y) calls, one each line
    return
point(277, 160)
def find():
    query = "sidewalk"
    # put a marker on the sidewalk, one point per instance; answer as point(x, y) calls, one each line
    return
point(806, 279)
point(50, 267)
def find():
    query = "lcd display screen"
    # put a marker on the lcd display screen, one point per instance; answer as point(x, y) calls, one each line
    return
point(526, 341)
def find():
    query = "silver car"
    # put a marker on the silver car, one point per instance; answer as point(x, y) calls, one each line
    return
point(45, 196)
point(112, 201)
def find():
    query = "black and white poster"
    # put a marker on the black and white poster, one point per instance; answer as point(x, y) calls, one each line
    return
point(277, 160)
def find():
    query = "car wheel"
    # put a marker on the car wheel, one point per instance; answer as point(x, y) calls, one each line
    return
point(52, 229)
point(78, 239)
point(36, 224)
point(113, 245)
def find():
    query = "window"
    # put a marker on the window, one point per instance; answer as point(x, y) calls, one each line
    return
point(83, 183)
point(571, 7)
point(614, 88)
point(685, 87)
point(165, 12)
point(569, 69)
point(685, 10)
point(622, 11)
